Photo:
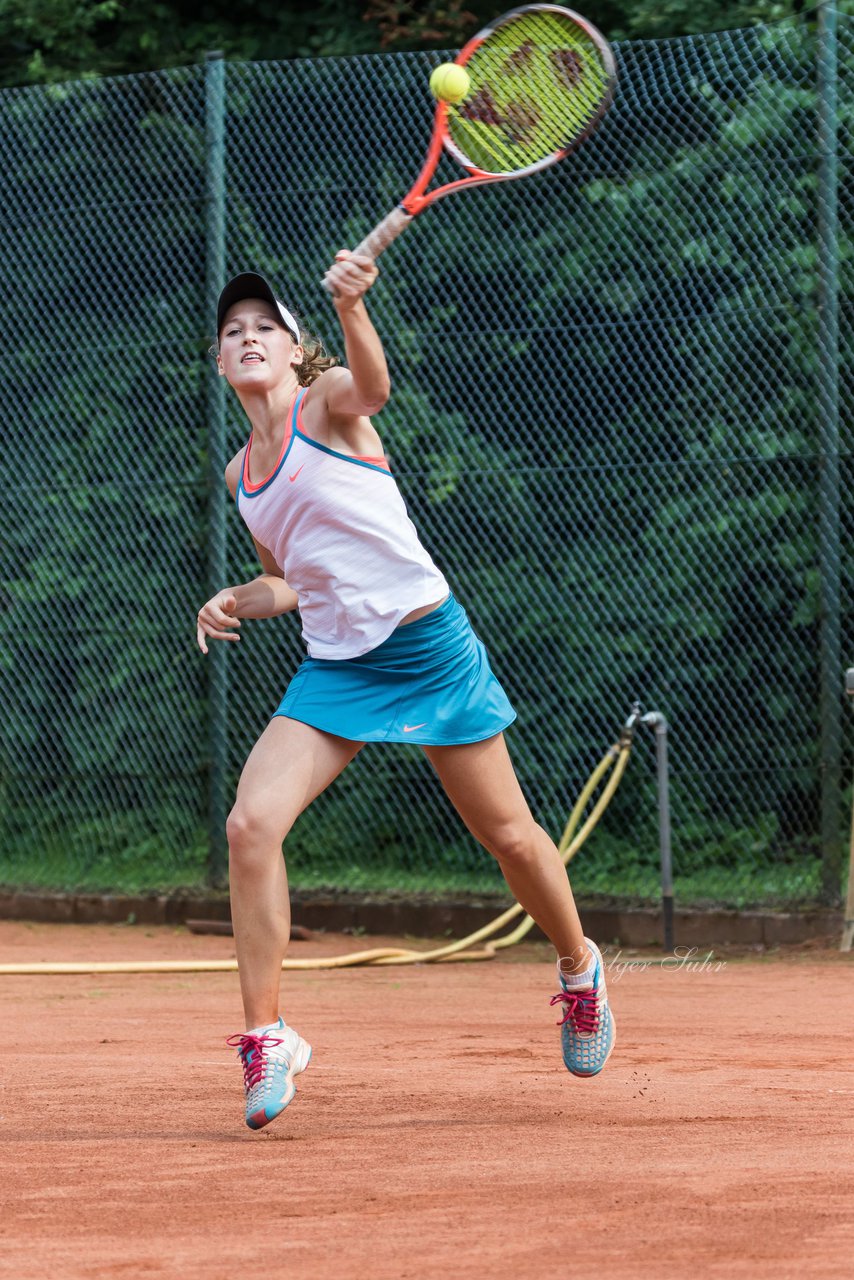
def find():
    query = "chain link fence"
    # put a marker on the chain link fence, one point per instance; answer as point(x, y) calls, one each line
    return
point(620, 417)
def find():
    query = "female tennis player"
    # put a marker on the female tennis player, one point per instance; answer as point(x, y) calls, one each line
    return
point(391, 658)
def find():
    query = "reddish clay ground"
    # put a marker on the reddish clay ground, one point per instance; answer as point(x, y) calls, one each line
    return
point(436, 1133)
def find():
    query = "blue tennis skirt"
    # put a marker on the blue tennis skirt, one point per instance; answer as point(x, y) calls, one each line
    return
point(430, 682)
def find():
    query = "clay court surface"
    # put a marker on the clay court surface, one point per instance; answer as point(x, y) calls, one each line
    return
point(436, 1133)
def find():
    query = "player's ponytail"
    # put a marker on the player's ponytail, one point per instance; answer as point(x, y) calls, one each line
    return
point(315, 360)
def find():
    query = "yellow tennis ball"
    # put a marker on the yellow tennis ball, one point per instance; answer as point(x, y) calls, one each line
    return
point(450, 83)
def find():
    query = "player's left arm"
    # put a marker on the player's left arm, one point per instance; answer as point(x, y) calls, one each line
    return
point(363, 386)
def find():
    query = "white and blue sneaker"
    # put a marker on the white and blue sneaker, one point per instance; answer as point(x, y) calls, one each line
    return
point(271, 1057)
point(588, 1033)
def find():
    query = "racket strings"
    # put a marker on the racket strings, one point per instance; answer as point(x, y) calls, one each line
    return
point(538, 83)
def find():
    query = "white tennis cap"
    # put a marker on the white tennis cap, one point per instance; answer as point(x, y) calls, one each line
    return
point(250, 285)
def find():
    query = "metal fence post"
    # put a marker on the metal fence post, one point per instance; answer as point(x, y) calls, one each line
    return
point(848, 918)
point(828, 424)
point(215, 406)
point(658, 723)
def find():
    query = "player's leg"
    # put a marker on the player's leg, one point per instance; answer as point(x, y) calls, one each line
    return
point(481, 782)
point(289, 766)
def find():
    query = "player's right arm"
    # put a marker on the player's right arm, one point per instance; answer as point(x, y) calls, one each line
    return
point(266, 596)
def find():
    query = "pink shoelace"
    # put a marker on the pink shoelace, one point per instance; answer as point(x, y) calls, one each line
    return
point(253, 1063)
point(582, 1010)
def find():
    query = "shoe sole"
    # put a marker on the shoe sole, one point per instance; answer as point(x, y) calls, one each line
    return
point(299, 1062)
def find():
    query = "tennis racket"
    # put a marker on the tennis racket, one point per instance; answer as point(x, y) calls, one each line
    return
point(541, 79)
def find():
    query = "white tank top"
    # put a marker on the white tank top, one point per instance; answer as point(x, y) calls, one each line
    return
point(338, 528)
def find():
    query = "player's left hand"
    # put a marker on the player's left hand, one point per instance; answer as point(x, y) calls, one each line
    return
point(349, 278)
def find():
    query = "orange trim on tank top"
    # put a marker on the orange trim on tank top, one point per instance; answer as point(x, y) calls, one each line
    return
point(253, 486)
point(379, 460)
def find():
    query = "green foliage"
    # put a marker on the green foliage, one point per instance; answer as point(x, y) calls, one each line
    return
point(45, 41)
point(52, 40)
point(656, 19)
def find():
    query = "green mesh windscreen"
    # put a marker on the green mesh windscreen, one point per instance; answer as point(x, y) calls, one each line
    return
point(616, 390)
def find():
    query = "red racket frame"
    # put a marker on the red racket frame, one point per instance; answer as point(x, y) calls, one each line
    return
point(418, 198)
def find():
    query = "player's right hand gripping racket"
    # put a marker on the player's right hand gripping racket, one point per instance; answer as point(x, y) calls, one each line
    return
point(541, 79)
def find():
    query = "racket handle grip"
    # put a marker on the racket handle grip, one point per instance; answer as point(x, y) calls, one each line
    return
point(383, 234)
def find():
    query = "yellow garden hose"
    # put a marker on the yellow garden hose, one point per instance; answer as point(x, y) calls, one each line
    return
point(614, 761)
